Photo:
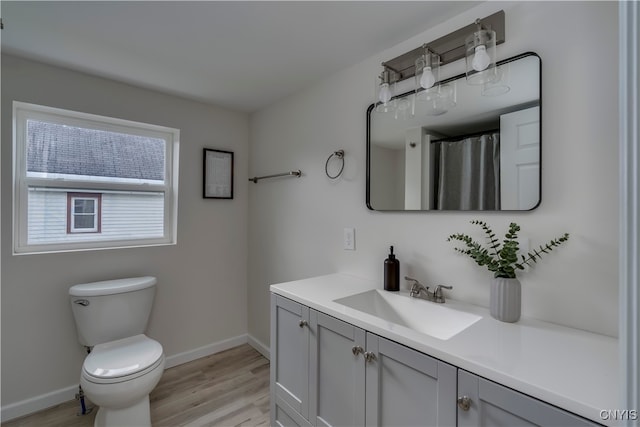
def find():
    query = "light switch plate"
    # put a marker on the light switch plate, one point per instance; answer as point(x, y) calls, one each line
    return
point(349, 239)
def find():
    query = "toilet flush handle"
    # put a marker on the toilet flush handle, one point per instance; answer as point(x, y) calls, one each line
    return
point(82, 302)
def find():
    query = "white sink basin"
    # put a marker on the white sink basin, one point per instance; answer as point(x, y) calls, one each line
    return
point(436, 320)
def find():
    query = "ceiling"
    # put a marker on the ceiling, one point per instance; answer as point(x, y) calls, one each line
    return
point(236, 54)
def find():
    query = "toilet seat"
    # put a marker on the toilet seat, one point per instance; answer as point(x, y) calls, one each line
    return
point(122, 360)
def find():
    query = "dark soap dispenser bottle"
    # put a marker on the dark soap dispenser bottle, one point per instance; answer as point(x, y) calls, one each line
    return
point(391, 273)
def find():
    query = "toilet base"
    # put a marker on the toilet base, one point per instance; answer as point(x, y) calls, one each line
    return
point(138, 415)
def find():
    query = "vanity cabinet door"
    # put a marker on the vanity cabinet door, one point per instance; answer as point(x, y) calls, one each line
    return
point(406, 387)
point(290, 355)
point(337, 375)
point(284, 416)
point(491, 404)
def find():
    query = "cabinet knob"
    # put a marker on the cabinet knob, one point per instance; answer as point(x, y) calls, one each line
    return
point(369, 356)
point(356, 350)
point(464, 403)
point(303, 323)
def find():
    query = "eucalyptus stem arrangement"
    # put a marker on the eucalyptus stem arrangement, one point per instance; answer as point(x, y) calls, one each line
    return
point(502, 259)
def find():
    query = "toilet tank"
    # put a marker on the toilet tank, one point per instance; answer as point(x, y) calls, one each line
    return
point(112, 309)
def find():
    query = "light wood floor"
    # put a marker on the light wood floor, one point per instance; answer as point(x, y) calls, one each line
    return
point(230, 388)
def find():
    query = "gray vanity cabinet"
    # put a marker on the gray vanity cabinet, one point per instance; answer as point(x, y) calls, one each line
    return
point(337, 375)
point(327, 372)
point(290, 361)
point(360, 379)
point(286, 418)
point(353, 378)
point(406, 387)
point(491, 404)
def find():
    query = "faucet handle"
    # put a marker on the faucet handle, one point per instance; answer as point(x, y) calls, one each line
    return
point(415, 282)
point(416, 287)
point(437, 293)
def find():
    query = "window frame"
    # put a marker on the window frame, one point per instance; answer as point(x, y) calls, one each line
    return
point(22, 112)
point(71, 214)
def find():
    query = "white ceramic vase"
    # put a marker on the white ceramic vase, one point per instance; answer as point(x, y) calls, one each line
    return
point(505, 297)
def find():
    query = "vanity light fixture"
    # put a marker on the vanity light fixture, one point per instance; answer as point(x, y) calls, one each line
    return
point(481, 55)
point(433, 98)
point(427, 69)
point(385, 90)
point(484, 34)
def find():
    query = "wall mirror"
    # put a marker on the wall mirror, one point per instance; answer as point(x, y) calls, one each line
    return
point(480, 151)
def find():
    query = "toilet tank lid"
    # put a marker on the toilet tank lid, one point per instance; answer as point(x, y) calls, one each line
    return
point(110, 287)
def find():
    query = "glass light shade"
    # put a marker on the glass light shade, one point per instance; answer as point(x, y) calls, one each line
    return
point(405, 108)
point(385, 91)
point(436, 100)
point(481, 57)
point(500, 85)
point(388, 107)
point(427, 70)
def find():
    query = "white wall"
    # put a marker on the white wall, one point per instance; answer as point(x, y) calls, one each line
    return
point(201, 295)
point(295, 225)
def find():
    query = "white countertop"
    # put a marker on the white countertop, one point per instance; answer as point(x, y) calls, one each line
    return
point(570, 368)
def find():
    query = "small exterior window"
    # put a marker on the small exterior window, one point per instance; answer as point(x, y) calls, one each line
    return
point(83, 213)
point(84, 181)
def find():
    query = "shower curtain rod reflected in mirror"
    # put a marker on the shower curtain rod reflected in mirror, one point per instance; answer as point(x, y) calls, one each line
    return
point(461, 137)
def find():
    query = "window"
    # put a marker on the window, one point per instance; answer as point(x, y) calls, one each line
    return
point(83, 213)
point(90, 182)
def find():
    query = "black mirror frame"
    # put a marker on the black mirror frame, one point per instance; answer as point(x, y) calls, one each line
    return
point(457, 77)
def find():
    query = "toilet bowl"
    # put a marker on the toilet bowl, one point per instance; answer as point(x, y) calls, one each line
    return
point(118, 377)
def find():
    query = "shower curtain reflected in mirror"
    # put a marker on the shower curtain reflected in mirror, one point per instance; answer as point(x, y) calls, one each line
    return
point(467, 173)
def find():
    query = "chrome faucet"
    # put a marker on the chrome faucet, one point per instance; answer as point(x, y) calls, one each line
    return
point(418, 290)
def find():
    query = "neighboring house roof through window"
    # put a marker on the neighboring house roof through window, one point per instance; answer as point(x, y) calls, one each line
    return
point(62, 149)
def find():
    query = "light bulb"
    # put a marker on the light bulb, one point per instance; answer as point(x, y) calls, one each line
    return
point(428, 79)
point(385, 93)
point(481, 59)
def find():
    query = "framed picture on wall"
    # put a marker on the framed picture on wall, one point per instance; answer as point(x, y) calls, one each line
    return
point(218, 174)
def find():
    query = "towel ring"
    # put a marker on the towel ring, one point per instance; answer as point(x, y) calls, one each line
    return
point(340, 155)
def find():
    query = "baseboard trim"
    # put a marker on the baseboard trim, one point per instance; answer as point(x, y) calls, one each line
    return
point(259, 346)
point(56, 397)
point(38, 403)
point(207, 350)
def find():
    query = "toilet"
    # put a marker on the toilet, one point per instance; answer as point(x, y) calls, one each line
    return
point(123, 365)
